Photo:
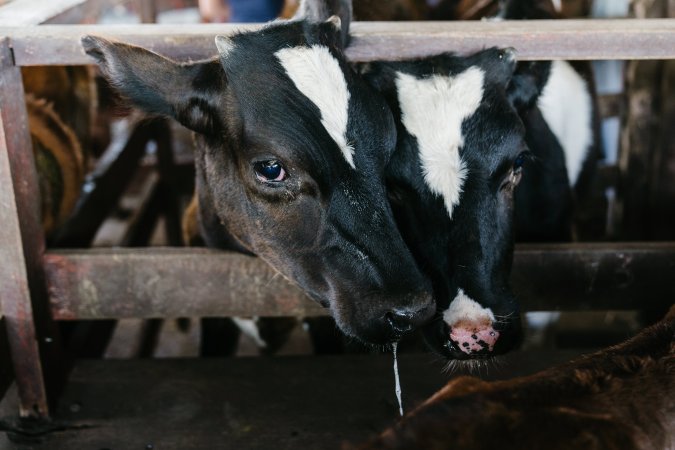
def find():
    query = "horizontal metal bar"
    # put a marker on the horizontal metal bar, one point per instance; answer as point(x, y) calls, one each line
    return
point(537, 39)
point(169, 282)
point(174, 282)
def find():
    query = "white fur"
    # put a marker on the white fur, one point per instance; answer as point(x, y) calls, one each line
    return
point(224, 44)
point(433, 110)
point(317, 74)
point(250, 329)
point(567, 107)
point(463, 307)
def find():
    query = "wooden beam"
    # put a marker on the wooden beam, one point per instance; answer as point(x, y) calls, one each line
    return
point(173, 282)
point(562, 39)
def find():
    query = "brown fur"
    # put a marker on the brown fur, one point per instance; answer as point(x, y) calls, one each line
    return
point(59, 160)
point(72, 93)
point(620, 398)
point(190, 223)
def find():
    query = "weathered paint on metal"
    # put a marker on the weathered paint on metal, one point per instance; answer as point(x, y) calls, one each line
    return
point(158, 283)
point(20, 238)
point(537, 39)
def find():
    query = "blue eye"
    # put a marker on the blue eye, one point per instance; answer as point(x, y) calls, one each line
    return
point(271, 170)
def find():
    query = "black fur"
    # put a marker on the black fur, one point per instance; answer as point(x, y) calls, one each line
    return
point(327, 227)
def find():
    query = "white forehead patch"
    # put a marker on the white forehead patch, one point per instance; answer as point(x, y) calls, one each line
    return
point(433, 110)
point(317, 74)
point(463, 308)
point(567, 108)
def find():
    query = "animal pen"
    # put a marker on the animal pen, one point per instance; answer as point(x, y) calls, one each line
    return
point(308, 402)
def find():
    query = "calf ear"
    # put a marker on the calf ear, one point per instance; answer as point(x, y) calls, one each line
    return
point(161, 86)
point(527, 83)
point(328, 11)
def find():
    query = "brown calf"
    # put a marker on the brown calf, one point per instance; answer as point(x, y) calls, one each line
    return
point(622, 397)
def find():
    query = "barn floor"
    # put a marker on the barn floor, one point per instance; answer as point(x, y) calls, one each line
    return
point(242, 403)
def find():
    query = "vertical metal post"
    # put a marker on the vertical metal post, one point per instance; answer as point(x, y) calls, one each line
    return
point(23, 294)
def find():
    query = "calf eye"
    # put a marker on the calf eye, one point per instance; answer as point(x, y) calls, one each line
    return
point(269, 171)
point(519, 161)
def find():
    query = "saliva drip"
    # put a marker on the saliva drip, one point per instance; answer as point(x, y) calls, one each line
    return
point(397, 380)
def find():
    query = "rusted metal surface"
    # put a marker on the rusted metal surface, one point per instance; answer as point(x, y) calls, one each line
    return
point(156, 283)
point(21, 241)
point(616, 276)
point(201, 283)
point(105, 185)
point(562, 39)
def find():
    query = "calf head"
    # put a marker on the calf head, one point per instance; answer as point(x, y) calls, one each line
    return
point(290, 165)
point(458, 161)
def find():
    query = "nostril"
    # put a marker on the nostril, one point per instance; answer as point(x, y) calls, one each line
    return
point(400, 321)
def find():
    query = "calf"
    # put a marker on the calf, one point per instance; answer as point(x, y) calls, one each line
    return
point(619, 398)
point(290, 162)
point(562, 133)
point(451, 181)
point(468, 128)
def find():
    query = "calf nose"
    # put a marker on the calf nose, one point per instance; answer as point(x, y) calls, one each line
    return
point(473, 338)
point(404, 320)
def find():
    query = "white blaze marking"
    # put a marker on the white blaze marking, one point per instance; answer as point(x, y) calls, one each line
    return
point(463, 308)
point(433, 110)
point(567, 108)
point(317, 74)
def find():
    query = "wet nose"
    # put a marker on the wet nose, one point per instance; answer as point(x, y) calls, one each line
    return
point(404, 320)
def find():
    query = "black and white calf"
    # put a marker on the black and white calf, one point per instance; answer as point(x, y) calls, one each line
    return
point(290, 163)
point(461, 148)
point(468, 128)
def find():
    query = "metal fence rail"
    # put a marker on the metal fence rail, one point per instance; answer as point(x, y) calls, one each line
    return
point(534, 39)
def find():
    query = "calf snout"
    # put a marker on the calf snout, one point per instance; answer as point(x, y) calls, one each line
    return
point(470, 330)
point(474, 337)
point(390, 323)
point(404, 320)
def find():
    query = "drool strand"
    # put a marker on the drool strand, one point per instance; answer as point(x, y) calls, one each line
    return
point(397, 380)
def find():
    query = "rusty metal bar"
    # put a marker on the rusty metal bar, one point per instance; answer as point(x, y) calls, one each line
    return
point(169, 282)
point(162, 283)
point(22, 289)
point(544, 39)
